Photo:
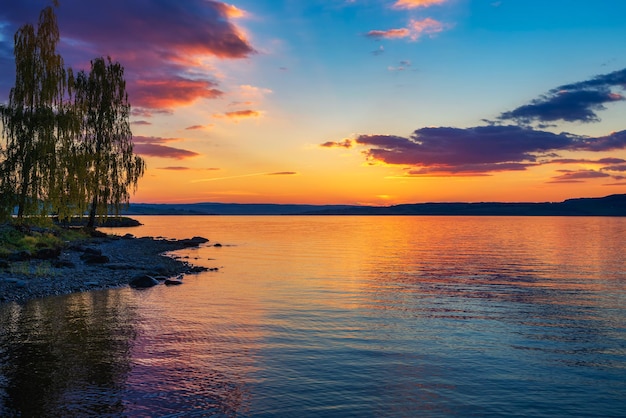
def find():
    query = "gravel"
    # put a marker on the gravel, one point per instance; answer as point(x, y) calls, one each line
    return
point(77, 270)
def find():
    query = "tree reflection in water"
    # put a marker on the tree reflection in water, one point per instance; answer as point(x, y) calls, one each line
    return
point(58, 357)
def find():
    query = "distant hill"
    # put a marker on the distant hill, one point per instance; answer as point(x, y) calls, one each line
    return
point(226, 209)
point(613, 205)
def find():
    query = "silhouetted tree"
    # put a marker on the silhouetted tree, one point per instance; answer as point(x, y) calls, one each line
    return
point(30, 125)
point(111, 166)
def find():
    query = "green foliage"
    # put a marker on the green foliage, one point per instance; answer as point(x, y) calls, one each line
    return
point(21, 237)
point(40, 269)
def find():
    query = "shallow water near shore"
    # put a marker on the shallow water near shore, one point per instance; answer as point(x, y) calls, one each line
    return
point(340, 316)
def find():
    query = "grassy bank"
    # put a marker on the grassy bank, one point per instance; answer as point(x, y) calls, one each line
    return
point(30, 240)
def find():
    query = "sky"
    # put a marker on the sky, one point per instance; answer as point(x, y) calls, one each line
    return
point(374, 102)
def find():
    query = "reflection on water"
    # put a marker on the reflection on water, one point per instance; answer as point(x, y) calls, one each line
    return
point(341, 316)
point(65, 356)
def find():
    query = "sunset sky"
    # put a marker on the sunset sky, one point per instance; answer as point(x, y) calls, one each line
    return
point(359, 101)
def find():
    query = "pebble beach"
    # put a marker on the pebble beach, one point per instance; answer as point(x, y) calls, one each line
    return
point(97, 263)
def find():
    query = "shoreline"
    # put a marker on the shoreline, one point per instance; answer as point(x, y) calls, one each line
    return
point(94, 264)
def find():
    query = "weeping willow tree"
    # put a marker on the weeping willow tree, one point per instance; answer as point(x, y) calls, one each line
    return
point(68, 144)
point(29, 170)
point(111, 167)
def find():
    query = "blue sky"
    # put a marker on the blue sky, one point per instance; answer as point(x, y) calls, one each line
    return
point(372, 101)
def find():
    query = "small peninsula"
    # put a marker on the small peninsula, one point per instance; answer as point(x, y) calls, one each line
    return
point(99, 262)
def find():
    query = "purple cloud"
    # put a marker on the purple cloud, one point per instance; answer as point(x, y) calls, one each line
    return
point(576, 102)
point(481, 150)
point(569, 176)
point(346, 143)
point(455, 147)
point(160, 44)
point(153, 147)
point(620, 168)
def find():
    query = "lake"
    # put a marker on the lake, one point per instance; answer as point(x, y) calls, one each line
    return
point(340, 316)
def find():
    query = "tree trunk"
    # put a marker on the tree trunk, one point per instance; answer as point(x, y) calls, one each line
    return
point(91, 223)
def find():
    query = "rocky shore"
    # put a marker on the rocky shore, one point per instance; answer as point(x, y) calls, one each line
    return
point(96, 263)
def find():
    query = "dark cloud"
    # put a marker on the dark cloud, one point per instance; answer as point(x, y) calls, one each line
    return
point(621, 168)
point(587, 161)
point(379, 51)
point(576, 102)
point(148, 113)
point(577, 176)
point(454, 147)
point(346, 143)
point(153, 147)
point(468, 169)
point(141, 122)
point(445, 151)
point(160, 44)
point(614, 141)
point(7, 67)
point(389, 33)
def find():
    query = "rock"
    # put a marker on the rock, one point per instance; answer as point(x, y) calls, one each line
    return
point(193, 242)
point(144, 281)
point(217, 245)
point(94, 259)
point(160, 278)
point(20, 256)
point(119, 266)
point(63, 264)
point(173, 282)
point(16, 282)
point(47, 253)
point(119, 222)
point(196, 269)
point(4, 264)
point(128, 236)
point(92, 251)
point(95, 233)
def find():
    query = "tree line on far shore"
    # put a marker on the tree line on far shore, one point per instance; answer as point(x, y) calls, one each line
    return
point(66, 146)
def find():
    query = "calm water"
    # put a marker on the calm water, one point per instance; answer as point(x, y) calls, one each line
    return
point(341, 316)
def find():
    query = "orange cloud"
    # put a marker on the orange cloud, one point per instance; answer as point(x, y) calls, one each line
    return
point(230, 11)
point(415, 30)
point(427, 26)
point(198, 127)
point(162, 47)
point(239, 114)
point(414, 4)
point(153, 147)
point(168, 93)
point(181, 168)
point(389, 34)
